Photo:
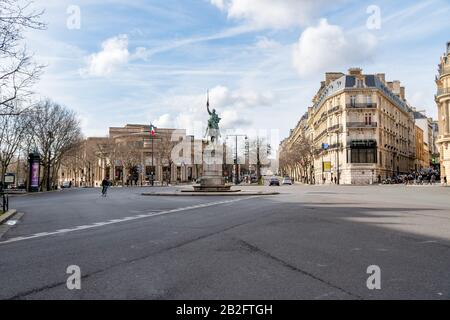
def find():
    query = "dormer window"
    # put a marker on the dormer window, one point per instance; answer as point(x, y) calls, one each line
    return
point(359, 83)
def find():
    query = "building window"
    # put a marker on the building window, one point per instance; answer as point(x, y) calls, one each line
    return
point(368, 119)
point(353, 101)
point(360, 83)
point(366, 155)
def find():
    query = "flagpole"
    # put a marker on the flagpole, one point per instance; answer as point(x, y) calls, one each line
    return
point(153, 168)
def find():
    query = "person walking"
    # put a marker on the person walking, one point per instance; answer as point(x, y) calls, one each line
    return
point(105, 185)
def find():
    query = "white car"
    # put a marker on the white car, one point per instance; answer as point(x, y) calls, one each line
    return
point(286, 180)
point(65, 184)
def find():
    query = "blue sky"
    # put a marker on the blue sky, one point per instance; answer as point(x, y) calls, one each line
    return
point(136, 61)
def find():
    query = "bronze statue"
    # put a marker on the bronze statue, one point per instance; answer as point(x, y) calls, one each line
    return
point(213, 123)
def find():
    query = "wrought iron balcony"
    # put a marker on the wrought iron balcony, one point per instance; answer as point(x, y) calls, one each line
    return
point(361, 125)
point(364, 105)
point(334, 128)
point(334, 109)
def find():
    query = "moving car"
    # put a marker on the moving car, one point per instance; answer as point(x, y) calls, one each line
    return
point(287, 180)
point(274, 182)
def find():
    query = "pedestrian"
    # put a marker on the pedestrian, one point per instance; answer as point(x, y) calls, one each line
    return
point(335, 180)
point(445, 180)
point(105, 185)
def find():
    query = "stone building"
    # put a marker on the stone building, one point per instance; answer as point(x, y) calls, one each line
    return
point(131, 155)
point(443, 103)
point(362, 128)
point(421, 153)
point(426, 125)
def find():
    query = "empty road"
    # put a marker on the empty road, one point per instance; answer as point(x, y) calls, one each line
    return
point(309, 242)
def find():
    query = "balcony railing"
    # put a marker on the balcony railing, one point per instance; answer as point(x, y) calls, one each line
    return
point(334, 109)
point(334, 128)
point(365, 105)
point(443, 91)
point(335, 146)
point(361, 125)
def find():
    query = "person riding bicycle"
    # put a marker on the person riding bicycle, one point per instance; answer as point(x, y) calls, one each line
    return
point(105, 185)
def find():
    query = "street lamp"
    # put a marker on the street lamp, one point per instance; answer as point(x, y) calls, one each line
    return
point(152, 133)
point(50, 137)
point(236, 169)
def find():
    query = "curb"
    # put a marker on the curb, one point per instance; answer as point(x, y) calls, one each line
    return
point(208, 194)
point(8, 215)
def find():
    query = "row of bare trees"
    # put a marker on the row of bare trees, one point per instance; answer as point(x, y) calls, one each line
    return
point(46, 128)
point(18, 71)
point(26, 126)
point(297, 159)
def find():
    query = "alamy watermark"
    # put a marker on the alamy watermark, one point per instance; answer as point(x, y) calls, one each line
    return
point(74, 280)
point(374, 280)
point(374, 20)
point(73, 21)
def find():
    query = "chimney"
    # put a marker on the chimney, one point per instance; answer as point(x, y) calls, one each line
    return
point(381, 77)
point(402, 93)
point(331, 76)
point(355, 71)
point(396, 87)
point(390, 85)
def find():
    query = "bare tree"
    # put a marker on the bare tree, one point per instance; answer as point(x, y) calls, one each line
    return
point(18, 72)
point(12, 133)
point(127, 152)
point(259, 150)
point(165, 150)
point(53, 131)
point(297, 158)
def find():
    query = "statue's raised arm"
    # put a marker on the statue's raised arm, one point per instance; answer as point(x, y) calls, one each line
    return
point(207, 105)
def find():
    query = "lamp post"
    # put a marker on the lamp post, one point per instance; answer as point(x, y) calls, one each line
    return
point(236, 169)
point(152, 173)
point(50, 137)
point(337, 156)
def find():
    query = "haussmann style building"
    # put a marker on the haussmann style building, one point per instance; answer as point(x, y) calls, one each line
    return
point(362, 128)
point(443, 104)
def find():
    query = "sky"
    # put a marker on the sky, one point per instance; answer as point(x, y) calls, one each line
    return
point(152, 61)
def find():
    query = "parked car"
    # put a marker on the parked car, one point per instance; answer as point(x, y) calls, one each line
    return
point(274, 182)
point(65, 184)
point(286, 180)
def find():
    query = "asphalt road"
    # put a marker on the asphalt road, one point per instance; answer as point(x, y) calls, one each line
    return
point(310, 242)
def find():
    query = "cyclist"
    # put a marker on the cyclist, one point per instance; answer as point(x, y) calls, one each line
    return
point(105, 185)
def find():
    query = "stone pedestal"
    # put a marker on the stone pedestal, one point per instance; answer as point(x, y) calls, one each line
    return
point(212, 179)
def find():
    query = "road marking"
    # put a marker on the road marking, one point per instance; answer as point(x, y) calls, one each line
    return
point(115, 221)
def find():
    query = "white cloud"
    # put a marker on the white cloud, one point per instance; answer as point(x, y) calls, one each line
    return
point(272, 13)
point(219, 4)
point(266, 43)
point(327, 47)
point(237, 108)
point(164, 121)
point(114, 54)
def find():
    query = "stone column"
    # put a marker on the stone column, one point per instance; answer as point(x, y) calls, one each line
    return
point(447, 116)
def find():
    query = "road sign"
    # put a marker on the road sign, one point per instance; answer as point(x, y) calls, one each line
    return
point(9, 178)
point(325, 146)
point(327, 166)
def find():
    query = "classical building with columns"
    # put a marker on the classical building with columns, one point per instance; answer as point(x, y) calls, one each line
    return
point(443, 103)
point(132, 155)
